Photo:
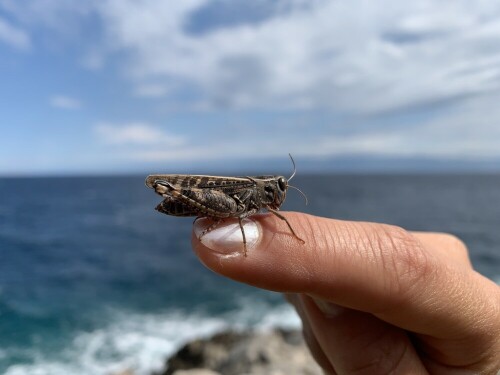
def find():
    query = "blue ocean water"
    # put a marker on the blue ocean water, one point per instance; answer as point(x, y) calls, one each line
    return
point(93, 280)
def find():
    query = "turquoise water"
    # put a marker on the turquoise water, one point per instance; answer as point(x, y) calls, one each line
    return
point(93, 280)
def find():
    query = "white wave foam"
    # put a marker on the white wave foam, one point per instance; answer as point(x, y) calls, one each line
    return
point(256, 314)
point(141, 343)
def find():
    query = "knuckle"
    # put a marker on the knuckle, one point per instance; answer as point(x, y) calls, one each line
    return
point(456, 244)
point(384, 356)
point(454, 241)
point(404, 261)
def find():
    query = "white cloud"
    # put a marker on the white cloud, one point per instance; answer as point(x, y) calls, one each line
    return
point(151, 90)
point(351, 56)
point(470, 131)
point(467, 132)
point(356, 57)
point(65, 102)
point(59, 15)
point(13, 36)
point(92, 60)
point(136, 134)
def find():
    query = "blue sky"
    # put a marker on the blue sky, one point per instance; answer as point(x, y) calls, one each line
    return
point(115, 86)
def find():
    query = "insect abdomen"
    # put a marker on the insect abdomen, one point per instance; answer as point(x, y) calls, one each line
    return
point(175, 208)
point(211, 202)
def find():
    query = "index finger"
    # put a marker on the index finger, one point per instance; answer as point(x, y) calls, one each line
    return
point(376, 268)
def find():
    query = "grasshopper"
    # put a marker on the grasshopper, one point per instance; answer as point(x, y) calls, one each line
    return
point(219, 197)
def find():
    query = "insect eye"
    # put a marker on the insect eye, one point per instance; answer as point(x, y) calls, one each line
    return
point(282, 184)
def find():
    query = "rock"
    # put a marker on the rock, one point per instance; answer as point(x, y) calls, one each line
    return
point(124, 372)
point(196, 371)
point(278, 352)
point(204, 353)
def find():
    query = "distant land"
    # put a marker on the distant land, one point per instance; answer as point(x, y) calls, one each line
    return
point(282, 165)
point(389, 164)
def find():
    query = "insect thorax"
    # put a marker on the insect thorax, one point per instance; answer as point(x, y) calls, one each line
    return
point(271, 190)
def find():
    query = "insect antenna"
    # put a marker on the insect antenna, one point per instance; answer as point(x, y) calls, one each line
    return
point(294, 168)
point(301, 192)
point(293, 174)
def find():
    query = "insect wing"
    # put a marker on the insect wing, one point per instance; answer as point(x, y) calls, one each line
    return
point(181, 181)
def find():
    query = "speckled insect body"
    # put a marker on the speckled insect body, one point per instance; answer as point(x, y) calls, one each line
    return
point(218, 197)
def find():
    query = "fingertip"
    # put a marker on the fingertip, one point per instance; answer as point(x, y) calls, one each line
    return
point(271, 259)
point(231, 237)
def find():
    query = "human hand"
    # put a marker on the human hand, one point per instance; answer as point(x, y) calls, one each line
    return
point(373, 298)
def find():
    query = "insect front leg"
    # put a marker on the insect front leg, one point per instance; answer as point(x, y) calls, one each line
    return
point(244, 200)
point(240, 221)
point(216, 223)
point(287, 223)
point(244, 237)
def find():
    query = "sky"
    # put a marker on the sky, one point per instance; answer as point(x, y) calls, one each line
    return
point(117, 86)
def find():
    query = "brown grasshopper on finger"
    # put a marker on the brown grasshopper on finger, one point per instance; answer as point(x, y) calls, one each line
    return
point(218, 197)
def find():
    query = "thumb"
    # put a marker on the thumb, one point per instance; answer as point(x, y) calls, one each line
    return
point(376, 268)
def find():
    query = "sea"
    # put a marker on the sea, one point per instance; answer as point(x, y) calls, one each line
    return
point(94, 281)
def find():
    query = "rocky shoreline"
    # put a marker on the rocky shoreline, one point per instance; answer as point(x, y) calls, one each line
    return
point(278, 352)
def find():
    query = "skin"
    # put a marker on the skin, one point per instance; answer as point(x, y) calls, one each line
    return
point(374, 298)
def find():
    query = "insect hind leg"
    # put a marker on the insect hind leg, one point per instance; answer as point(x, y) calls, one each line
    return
point(210, 228)
point(216, 223)
point(244, 237)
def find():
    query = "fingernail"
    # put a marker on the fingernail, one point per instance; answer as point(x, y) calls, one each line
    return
point(330, 310)
point(227, 238)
